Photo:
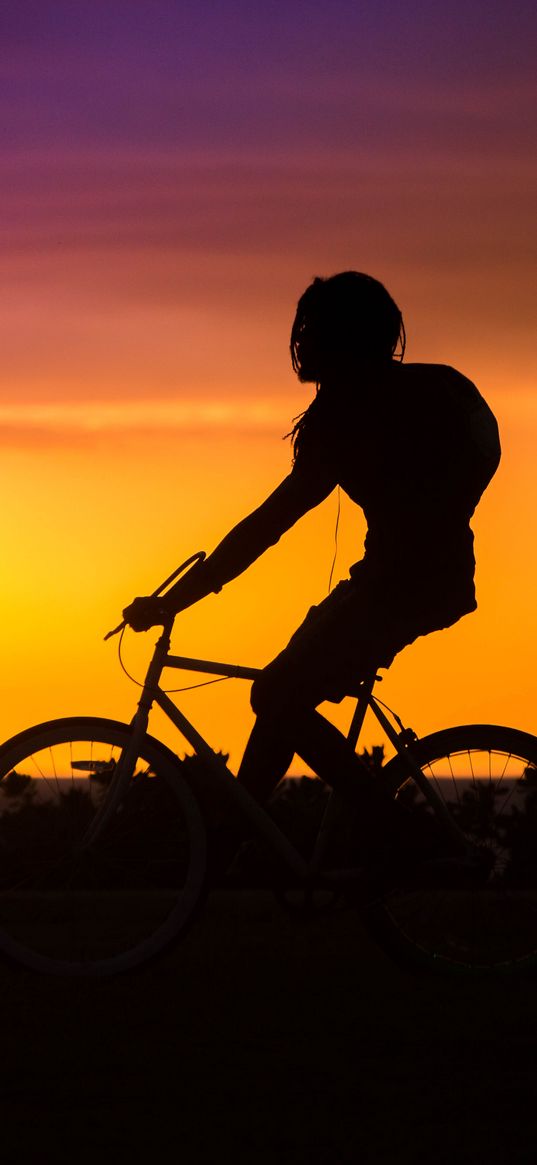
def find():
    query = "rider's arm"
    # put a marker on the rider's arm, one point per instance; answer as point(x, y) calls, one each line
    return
point(306, 486)
point(299, 492)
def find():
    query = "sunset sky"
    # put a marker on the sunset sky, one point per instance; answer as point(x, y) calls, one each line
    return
point(173, 175)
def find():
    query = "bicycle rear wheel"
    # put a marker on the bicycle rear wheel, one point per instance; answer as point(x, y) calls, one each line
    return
point(69, 906)
point(483, 922)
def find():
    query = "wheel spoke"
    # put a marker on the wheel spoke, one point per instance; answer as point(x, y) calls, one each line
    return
point(485, 918)
point(66, 906)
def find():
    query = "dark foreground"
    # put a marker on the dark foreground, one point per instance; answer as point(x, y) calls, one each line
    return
point(263, 1040)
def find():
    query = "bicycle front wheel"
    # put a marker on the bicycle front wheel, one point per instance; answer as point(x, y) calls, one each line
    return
point(73, 902)
point(480, 922)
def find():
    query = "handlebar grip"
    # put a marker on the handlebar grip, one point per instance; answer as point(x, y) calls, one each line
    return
point(197, 557)
point(116, 630)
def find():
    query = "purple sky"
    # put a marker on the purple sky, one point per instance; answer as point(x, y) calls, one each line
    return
point(292, 77)
point(212, 157)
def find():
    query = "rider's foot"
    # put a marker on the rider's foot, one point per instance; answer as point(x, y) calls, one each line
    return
point(405, 848)
point(456, 871)
point(449, 871)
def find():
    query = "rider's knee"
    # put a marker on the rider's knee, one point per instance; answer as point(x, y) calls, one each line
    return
point(260, 696)
point(276, 695)
point(266, 696)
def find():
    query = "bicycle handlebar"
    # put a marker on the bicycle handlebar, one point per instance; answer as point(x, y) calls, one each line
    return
point(197, 557)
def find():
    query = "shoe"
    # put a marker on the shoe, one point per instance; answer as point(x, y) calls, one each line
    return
point(452, 871)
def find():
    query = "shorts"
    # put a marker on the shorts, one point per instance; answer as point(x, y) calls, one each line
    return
point(341, 641)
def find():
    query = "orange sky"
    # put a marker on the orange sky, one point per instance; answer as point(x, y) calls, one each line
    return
point(152, 264)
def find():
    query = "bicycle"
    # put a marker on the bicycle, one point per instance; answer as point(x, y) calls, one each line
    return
point(103, 836)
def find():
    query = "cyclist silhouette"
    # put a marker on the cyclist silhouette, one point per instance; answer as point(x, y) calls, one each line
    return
point(414, 445)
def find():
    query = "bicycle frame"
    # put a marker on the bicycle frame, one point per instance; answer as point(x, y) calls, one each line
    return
point(225, 781)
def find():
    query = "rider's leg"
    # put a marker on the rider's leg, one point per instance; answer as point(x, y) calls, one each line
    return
point(325, 658)
point(274, 741)
point(335, 646)
point(380, 825)
point(267, 756)
point(270, 750)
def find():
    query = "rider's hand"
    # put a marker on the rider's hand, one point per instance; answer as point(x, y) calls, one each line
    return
point(154, 611)
point(146, 612)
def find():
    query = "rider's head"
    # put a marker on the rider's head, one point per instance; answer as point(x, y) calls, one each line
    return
point(341, 322)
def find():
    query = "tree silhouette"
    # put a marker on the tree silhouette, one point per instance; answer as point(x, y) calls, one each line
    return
point(35, 829)
point(16, 785)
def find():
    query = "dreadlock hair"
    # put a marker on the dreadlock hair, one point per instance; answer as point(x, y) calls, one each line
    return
point(342, 322)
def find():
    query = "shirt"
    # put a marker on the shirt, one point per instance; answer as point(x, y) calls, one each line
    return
point(414, 445)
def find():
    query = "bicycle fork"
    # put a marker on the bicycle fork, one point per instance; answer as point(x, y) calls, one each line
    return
point(126, 764)
point(402, 741)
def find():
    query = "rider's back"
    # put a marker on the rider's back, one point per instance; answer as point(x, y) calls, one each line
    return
point(415, 447)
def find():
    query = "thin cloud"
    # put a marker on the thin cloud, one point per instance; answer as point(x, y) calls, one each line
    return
point(36, 423)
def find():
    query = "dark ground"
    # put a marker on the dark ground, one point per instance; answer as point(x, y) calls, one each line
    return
point(263, 1040)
